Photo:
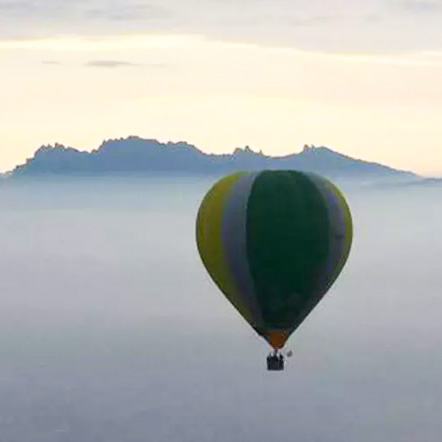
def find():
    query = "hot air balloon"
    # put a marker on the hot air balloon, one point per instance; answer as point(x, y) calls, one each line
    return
point(274, 242)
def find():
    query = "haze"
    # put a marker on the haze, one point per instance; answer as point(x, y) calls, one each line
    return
point(361, 77)
point(110, 329)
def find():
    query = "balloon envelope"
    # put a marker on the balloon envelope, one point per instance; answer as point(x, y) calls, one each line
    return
point(274, 242)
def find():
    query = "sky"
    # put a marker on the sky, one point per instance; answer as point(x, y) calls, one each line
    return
point(361, 77)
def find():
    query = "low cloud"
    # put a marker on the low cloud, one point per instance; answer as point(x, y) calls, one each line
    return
point(326, 25)
point(425, 6)
point(109, 64)
point(16, 6)
point(144, 12)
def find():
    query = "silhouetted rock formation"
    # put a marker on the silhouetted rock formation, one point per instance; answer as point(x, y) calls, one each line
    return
point(137, 155)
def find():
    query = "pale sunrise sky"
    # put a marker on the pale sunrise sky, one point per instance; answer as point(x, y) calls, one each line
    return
point(361, 77)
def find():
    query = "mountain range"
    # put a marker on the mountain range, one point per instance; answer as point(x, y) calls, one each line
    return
point(135, 155)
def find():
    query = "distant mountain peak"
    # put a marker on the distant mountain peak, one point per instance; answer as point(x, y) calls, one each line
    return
point(49, 147)
point(134, 154)
point(246, 151)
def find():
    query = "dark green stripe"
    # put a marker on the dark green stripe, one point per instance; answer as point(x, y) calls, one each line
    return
point(287, 243)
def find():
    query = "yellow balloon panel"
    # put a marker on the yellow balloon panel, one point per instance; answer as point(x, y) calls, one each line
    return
point(210, 245)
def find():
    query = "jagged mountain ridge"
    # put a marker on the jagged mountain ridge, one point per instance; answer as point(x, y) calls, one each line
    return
point(138, 155)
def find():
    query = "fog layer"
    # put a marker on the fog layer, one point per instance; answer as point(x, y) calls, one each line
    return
point(111, 330)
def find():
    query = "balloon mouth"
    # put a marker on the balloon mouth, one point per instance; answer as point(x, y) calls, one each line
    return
point(277, 338)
